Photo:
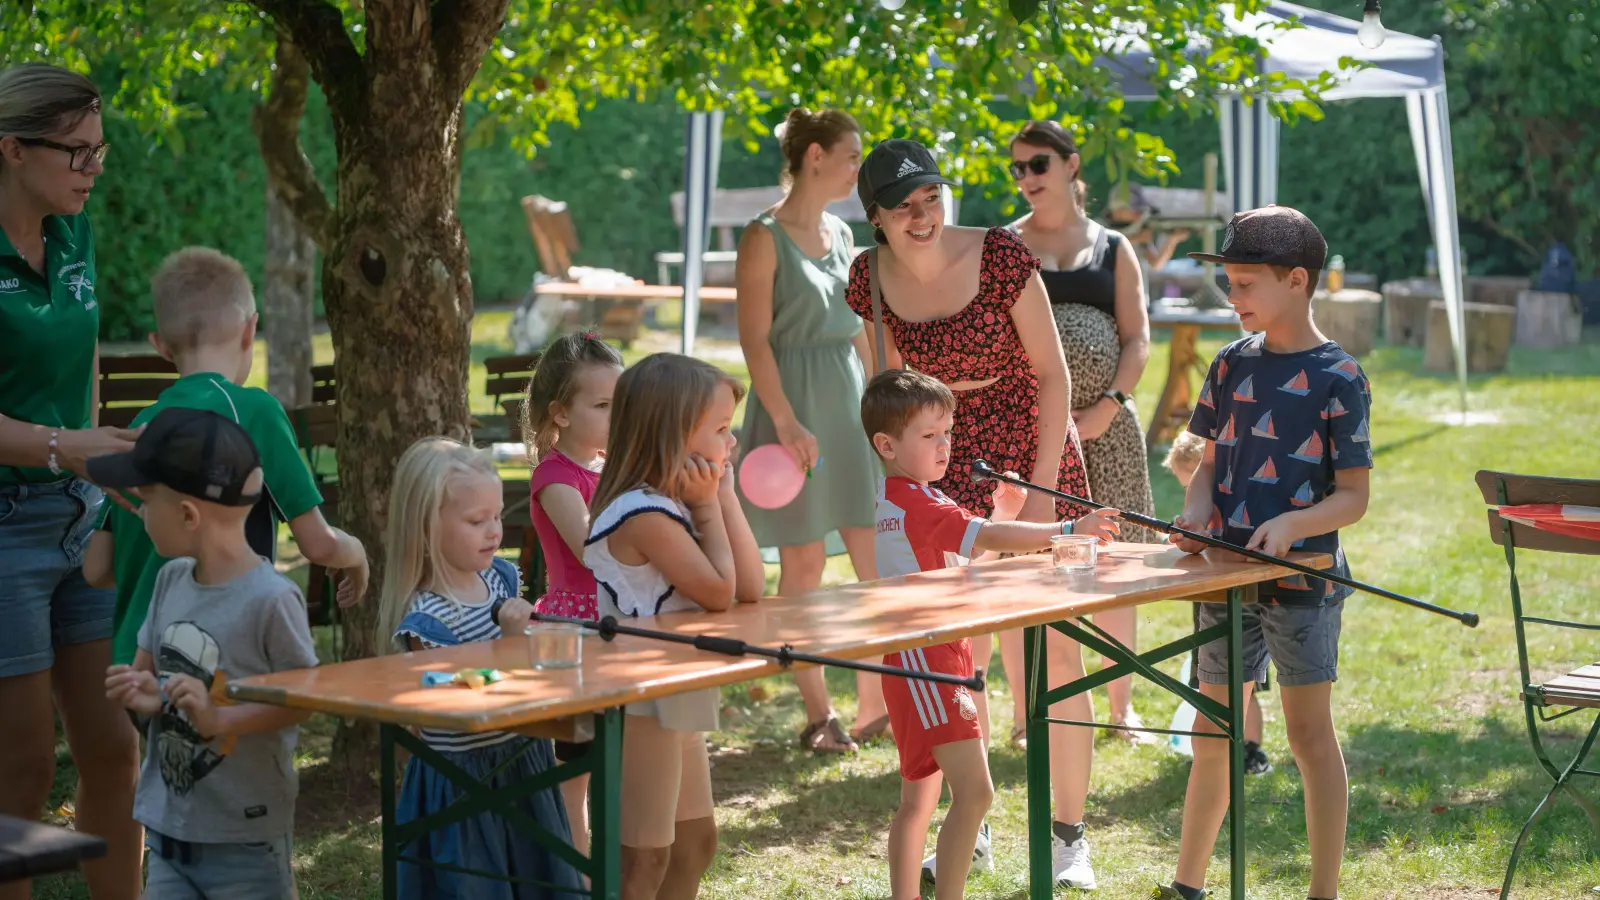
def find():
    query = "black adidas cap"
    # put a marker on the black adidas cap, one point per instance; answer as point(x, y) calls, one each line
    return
point(192, 451)
point(1272, 236)
point(893, 170)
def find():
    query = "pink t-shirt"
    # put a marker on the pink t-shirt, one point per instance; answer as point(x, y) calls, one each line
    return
point(572, 586)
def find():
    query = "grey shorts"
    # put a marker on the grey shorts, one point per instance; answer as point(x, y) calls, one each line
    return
point(1302, 641)
point(180, 870)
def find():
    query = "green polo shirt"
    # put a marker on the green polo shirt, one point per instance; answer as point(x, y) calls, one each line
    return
point(291, 492)
point(49, 328)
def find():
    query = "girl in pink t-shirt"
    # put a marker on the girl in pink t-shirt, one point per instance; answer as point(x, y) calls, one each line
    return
point(565, 422)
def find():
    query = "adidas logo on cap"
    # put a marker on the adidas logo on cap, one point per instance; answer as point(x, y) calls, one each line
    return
point(908, 167)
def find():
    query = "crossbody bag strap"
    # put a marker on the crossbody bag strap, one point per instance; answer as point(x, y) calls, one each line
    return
point(877, 308)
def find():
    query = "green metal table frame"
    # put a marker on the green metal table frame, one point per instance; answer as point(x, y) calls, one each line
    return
point(1040, 696)
point(603, 765)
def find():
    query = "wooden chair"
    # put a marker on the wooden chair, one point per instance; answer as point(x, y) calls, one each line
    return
point(130, 383)
point(506, 384)
point(1574, 692)
point(316, 425)
point(556, 240)
point(316, 430)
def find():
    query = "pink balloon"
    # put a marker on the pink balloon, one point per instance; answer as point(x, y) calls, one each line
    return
point(770, 476)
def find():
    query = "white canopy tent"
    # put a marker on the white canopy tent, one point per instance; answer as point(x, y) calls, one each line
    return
point(1404, 67)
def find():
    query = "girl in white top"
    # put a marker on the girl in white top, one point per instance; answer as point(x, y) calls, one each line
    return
point(668, 535)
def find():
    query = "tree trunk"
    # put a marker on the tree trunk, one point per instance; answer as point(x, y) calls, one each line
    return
point(287, 304)
point(395, 281)
point(398, 298)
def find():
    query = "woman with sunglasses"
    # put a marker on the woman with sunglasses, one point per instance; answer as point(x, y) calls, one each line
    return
point(966, 306)
point(56, 644)
point(1097, 298)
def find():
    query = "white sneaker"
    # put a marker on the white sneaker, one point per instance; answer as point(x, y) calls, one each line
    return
point(982, 858)
point(1072, 863)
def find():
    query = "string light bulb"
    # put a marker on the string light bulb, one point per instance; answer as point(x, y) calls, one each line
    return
point(1371, 33)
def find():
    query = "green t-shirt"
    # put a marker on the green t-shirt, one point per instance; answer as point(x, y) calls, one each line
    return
point(49, 328)
point(291, 492)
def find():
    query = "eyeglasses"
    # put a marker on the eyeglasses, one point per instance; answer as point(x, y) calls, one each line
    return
point(1038, 165)
point(81, 155)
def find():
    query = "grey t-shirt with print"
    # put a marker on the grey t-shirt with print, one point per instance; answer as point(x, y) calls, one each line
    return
point(228, 789)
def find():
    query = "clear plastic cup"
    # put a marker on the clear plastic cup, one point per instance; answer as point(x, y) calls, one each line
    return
point(554, 645)
point(1074, 552)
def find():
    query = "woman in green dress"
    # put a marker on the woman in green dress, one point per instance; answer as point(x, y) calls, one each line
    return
point(805, 349)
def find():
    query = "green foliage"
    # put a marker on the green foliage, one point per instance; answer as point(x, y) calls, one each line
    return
point(1526, 108)
point(928, 70)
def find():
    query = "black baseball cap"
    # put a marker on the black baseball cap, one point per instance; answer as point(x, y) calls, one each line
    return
point(1271, 236)
point(893, 170)
point(192, 451)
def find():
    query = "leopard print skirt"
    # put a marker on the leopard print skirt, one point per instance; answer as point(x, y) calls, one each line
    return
point(1119, 471)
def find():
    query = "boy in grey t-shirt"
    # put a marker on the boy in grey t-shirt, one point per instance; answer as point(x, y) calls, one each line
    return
point(216, 792)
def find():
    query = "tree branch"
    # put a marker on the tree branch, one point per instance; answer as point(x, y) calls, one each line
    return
point(317, 29)
point(277, 127)
point(462, 34)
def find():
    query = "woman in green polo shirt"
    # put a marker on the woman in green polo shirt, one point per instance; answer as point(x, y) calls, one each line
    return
point(55, 629)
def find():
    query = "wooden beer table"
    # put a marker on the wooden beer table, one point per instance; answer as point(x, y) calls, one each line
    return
point(1175, 406)
point(858, 621)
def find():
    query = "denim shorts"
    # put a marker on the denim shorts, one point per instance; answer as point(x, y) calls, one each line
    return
point(180, 870)
point(44, 601)
point(1302, 641)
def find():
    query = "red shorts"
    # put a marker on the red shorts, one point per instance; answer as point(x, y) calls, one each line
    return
point(925, 714)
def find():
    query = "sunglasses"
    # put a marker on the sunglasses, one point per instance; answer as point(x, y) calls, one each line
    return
point(1038, 165)
point(81, 155)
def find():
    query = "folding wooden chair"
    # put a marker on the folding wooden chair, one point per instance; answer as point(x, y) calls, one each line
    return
point(556, 240)
point(1575, 692)
point(130, 383)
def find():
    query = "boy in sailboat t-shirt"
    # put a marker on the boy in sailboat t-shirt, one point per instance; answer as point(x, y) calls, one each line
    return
point(1284, 414)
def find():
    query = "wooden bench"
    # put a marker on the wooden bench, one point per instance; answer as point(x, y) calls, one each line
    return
point(508, 376)
point(130, 383)
point(1576, 691)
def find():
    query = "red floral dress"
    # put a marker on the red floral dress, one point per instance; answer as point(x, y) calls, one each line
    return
point(999, 423)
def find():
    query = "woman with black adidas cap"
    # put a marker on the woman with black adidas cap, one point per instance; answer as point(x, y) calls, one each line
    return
point(967, 306)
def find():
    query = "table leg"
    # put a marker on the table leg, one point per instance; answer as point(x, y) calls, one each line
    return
point(605, 806)
point(1174, 402)
point(1236, 717)
point(1041, 864)
point(386, 792)
point(1122, 661)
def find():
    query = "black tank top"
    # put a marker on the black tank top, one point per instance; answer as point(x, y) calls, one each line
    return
point(1093, 284)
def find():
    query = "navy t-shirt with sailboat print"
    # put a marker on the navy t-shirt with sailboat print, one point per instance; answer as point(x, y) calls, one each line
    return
point(1283, 423)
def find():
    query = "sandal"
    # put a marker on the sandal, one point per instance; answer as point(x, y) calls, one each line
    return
point(1136, 738)
point(827, 736)
point(872, 730)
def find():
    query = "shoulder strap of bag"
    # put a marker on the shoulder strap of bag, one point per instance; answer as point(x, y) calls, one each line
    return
point(877, 308)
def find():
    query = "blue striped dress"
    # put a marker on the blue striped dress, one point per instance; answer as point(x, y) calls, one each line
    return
point(486, 842)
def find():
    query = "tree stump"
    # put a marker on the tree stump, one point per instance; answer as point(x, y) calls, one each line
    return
point(1405, 310)
point(1489, 331)
point(1348, 317)
point(1547, 319)
point(1499, 290)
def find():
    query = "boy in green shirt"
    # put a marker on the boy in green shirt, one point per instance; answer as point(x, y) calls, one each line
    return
point(206, 324)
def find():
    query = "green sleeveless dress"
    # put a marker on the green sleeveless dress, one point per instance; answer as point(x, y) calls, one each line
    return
point(812, 328)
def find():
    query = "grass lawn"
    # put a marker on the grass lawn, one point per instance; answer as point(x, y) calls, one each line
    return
point(1440, 770)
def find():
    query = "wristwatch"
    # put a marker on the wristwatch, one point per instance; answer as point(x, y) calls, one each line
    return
point(1118, 397)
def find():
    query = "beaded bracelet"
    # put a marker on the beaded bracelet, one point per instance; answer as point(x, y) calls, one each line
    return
point(55, 465)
